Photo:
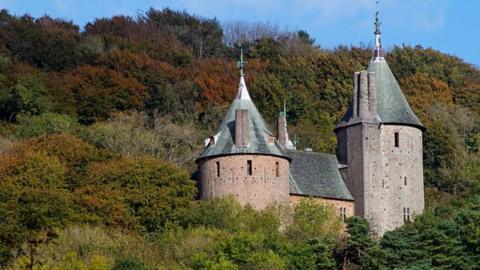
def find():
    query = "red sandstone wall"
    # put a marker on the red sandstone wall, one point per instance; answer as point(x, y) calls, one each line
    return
point(260, 189)
point(337, 204)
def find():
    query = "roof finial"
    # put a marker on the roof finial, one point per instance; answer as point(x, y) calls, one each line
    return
point(241, 63)
point(377, 21)
point(378, 50)
point(242, 87)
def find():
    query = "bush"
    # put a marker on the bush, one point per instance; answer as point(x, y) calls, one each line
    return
point(29, 126)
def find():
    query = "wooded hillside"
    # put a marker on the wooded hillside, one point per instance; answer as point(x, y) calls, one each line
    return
point(100, 125)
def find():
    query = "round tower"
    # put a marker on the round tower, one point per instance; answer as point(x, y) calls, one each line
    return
point(243, 158)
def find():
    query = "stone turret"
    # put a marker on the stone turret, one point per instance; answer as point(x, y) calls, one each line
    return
point(243, 158)
point(379, 144)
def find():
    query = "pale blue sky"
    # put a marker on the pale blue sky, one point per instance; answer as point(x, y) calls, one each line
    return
point(451, 26)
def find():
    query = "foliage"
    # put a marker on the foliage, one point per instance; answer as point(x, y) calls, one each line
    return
point(47, 123)
point(56, 180)
point(150, 88)
point(155, 193)
point(314, 220)
point(136, 134)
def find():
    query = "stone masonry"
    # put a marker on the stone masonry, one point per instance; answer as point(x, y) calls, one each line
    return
point(263, 187)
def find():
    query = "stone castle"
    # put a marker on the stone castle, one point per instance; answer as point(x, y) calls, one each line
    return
point(377, 172)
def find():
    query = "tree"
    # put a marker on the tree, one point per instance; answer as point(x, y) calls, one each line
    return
point(98, 92)
point(354, 253)
point(157, 194)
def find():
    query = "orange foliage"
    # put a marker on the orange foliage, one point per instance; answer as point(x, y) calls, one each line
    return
point(99, 91)
point(217, 79)
point(423, 91)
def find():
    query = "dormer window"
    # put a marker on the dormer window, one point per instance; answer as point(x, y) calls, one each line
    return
point(271, 140)
point(211, 141)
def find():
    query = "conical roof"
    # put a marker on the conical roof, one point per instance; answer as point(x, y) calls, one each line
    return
point(392, 107)
point(260, 133)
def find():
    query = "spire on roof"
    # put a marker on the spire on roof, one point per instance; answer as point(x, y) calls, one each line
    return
point(282, 129)
point(378, 50)
point(242, 92)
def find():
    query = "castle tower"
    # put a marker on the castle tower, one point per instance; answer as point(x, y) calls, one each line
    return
point(243, 158)
point(379, 144)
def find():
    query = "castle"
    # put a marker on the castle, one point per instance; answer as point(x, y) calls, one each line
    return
point(377, 172)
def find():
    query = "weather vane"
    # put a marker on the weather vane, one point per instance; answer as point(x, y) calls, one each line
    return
point(241, 63)
point(377, 21)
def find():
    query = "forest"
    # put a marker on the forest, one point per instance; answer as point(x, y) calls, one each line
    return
point(100, 126)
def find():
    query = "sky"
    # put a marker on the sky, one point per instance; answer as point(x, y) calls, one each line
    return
point(450, 26)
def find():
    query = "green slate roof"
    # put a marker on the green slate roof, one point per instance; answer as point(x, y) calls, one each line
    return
point(317, 174)
point(392, 107)
point(259, 131)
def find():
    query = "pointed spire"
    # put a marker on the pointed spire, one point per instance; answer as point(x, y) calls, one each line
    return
point(242, 92)
point(283, 137)
point(378, 50)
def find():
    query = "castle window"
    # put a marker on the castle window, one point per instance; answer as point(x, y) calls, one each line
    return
point(271, 140)
point(343, 213)
point(397, 139)
point(405, 180)
point(277, 169)
point(406, 214)
point(249, 167)
point(217, 166)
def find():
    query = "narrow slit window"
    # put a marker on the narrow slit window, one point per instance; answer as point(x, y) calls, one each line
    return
point(277, 169)
point(217, 166)
point(397, 139)
point(249, 167)
point(405, 181)
point(406, 214)
point(343, 213)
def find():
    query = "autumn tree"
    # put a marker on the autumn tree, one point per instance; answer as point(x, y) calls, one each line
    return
point(98, 92)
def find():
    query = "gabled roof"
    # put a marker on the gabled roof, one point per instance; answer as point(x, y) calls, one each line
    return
point(224, 143)
point(317, 174)
point(393, 107)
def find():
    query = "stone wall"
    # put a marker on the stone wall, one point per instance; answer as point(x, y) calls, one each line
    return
point(337, 204)
point(259, 189)
point(403, 173)
point(383, 178)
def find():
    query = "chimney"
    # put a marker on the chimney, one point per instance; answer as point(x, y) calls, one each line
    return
point(372, 94)
point(282, 130)
point(356, 77)
point(364, 96)
point(242, 129)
